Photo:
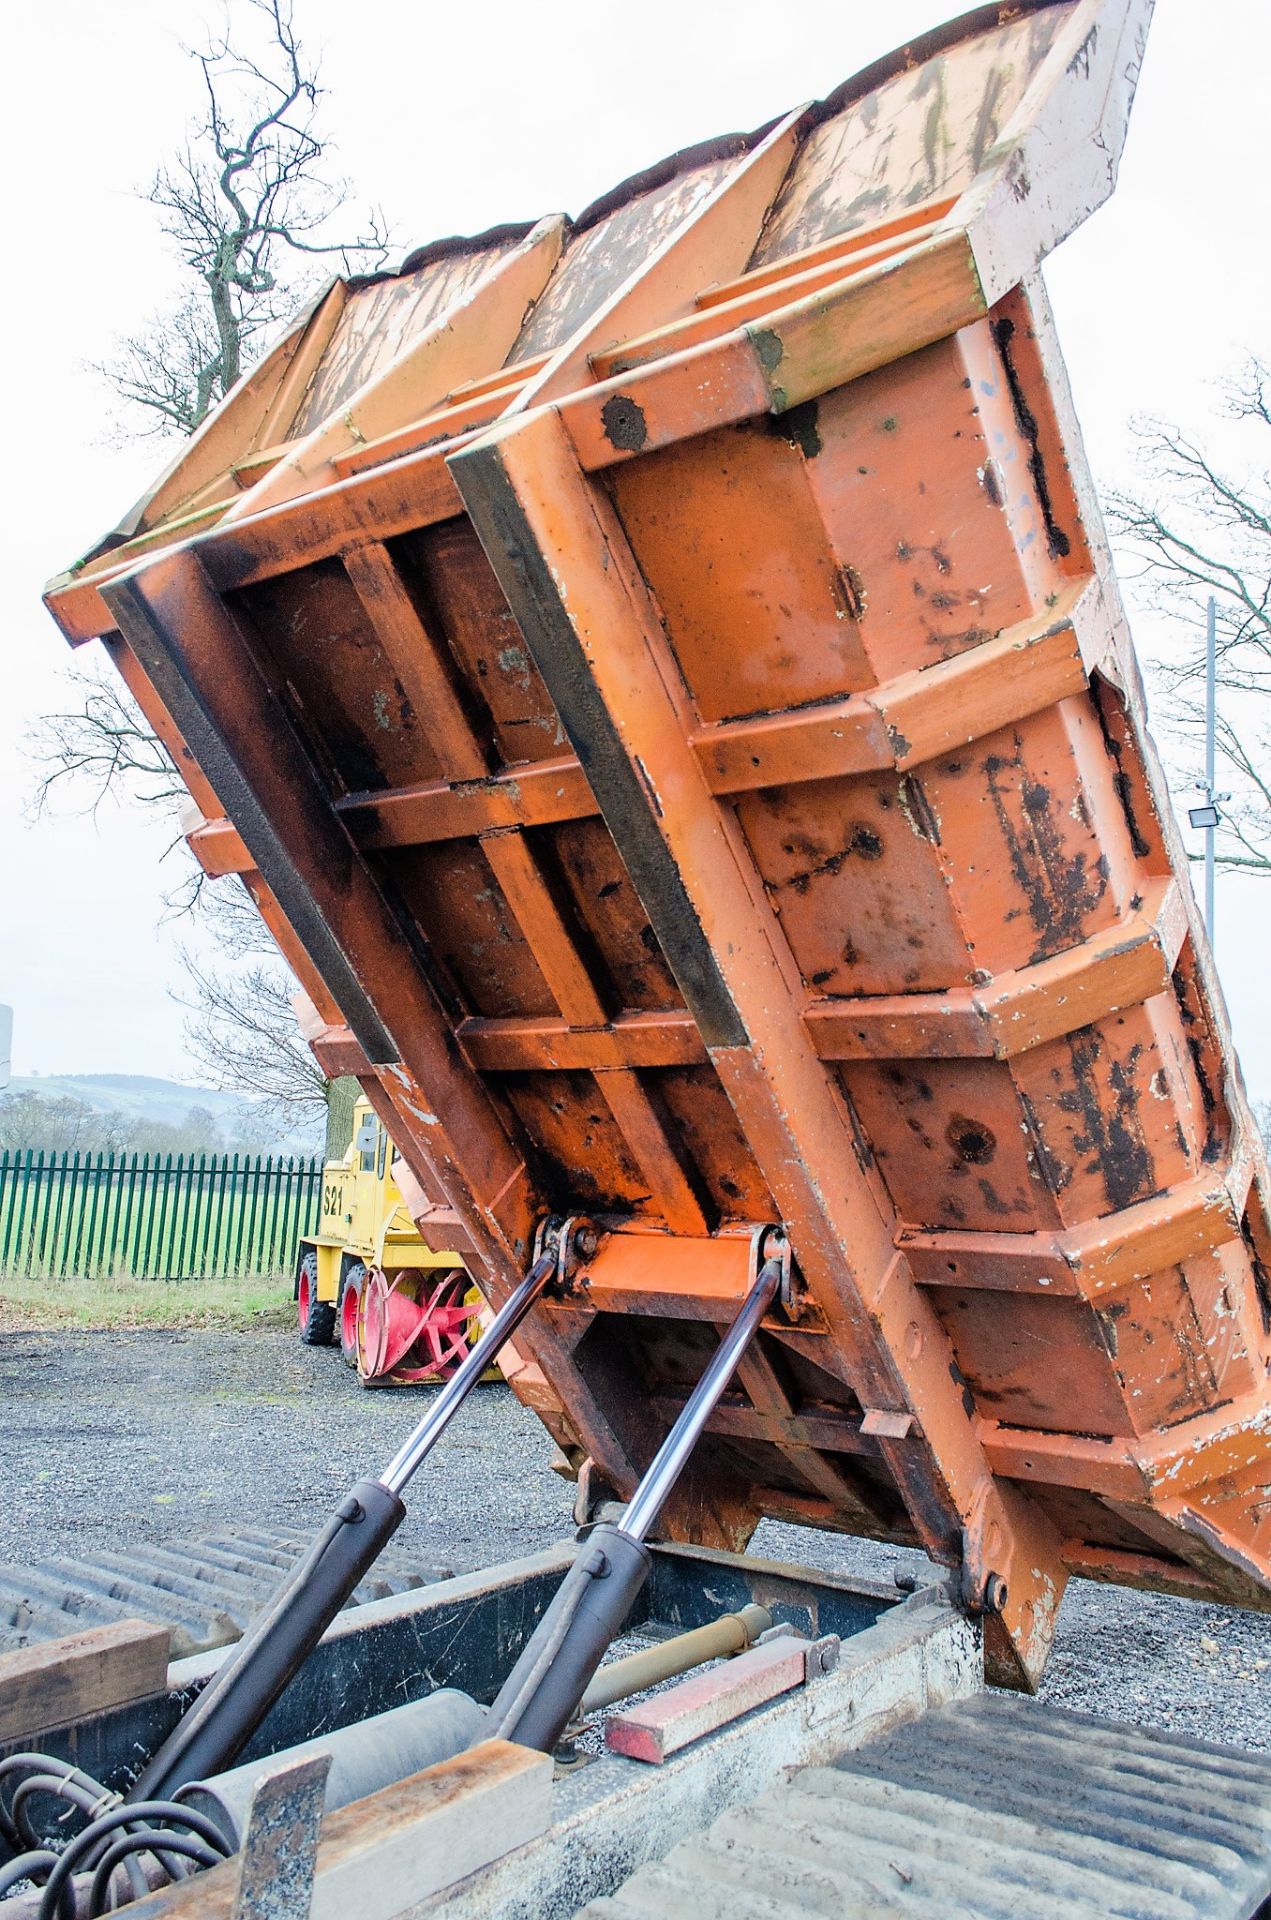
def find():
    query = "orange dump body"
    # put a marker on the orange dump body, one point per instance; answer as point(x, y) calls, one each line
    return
point(662, 681)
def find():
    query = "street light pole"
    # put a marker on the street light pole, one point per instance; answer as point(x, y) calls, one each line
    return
point(1211, 721)
point(1205, 817)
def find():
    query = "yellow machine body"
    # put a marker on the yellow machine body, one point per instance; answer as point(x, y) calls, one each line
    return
point(363, 1216)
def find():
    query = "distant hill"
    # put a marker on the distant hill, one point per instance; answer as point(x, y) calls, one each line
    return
point(138, 1097)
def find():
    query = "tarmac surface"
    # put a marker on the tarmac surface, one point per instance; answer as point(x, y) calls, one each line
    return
point(112, 1437)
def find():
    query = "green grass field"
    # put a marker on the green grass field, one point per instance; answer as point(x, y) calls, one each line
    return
point(240, 1302)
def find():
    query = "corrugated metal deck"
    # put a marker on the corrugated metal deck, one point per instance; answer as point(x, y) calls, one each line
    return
point(206, 1590)
point(989, 1809)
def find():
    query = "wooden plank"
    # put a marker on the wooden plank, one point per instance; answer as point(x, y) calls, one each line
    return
point(414, 493)
point(442, 423)
point(478, 326)
point(828, 338)
point(1109, 1468)
point(1153, 1573)
point(84, 1674)
point(814, 743)
point(717, 316)
point(218, 847)
point(509, 376)
point(1121, 967)
point(381, 1856)
point(918, 1026)
point(860, 240)
point(1024, 670)
point(657, 1728)
point(417, 658)
point(797, 353)
point(912, 718)
point(254, 466)
point(830, 1432)
point(1117, 1250)
point(1002, 1262)
point(1192, 1218)
point(336, 1051)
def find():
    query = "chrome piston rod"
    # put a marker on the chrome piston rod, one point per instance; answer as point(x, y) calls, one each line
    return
point(671, 1458)
point(280, 1640)
point(541, 1694)
point(411, 1455)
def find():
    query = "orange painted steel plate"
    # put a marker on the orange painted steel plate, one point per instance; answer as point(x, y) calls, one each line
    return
point(690, 750)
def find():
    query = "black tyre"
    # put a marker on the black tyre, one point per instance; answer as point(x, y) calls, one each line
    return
point(316, 1318)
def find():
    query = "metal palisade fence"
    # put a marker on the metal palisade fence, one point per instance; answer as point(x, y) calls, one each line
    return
point(154, 1216)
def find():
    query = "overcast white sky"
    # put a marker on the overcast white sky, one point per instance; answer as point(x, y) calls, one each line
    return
point(453, 118)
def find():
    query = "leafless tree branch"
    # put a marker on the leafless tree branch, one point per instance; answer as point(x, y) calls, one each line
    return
point(247, 202)
point(100, 745)
point(1196, 529)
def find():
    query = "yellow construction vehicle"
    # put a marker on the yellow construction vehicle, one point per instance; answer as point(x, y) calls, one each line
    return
point(401, 1312)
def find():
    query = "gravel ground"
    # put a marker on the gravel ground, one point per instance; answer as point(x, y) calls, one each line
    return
point(146, 1436)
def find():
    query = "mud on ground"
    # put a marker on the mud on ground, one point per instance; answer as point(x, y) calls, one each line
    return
point(145, 1436)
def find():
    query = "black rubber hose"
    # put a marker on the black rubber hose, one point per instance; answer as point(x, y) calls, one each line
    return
point(147, 1840)
point(26, 1866)
point(85, 1844)
point(230, 1708)
point(61, 1788)
point(45, 1763)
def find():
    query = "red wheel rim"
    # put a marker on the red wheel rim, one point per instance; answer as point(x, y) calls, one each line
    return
point(348, 1315)
point(304, 1300)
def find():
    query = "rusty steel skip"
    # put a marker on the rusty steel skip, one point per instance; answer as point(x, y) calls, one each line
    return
point(721, 795)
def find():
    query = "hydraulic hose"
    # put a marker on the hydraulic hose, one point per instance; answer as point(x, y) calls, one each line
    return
point(33, 1865)
point(84, 1850)
point(147, 1840)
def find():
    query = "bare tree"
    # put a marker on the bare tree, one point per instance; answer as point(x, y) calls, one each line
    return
point(1198, 529)
point(36, 1122)
point(242, 1029)
point(247, 203)
point(101, 745)
point(243, 1032)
